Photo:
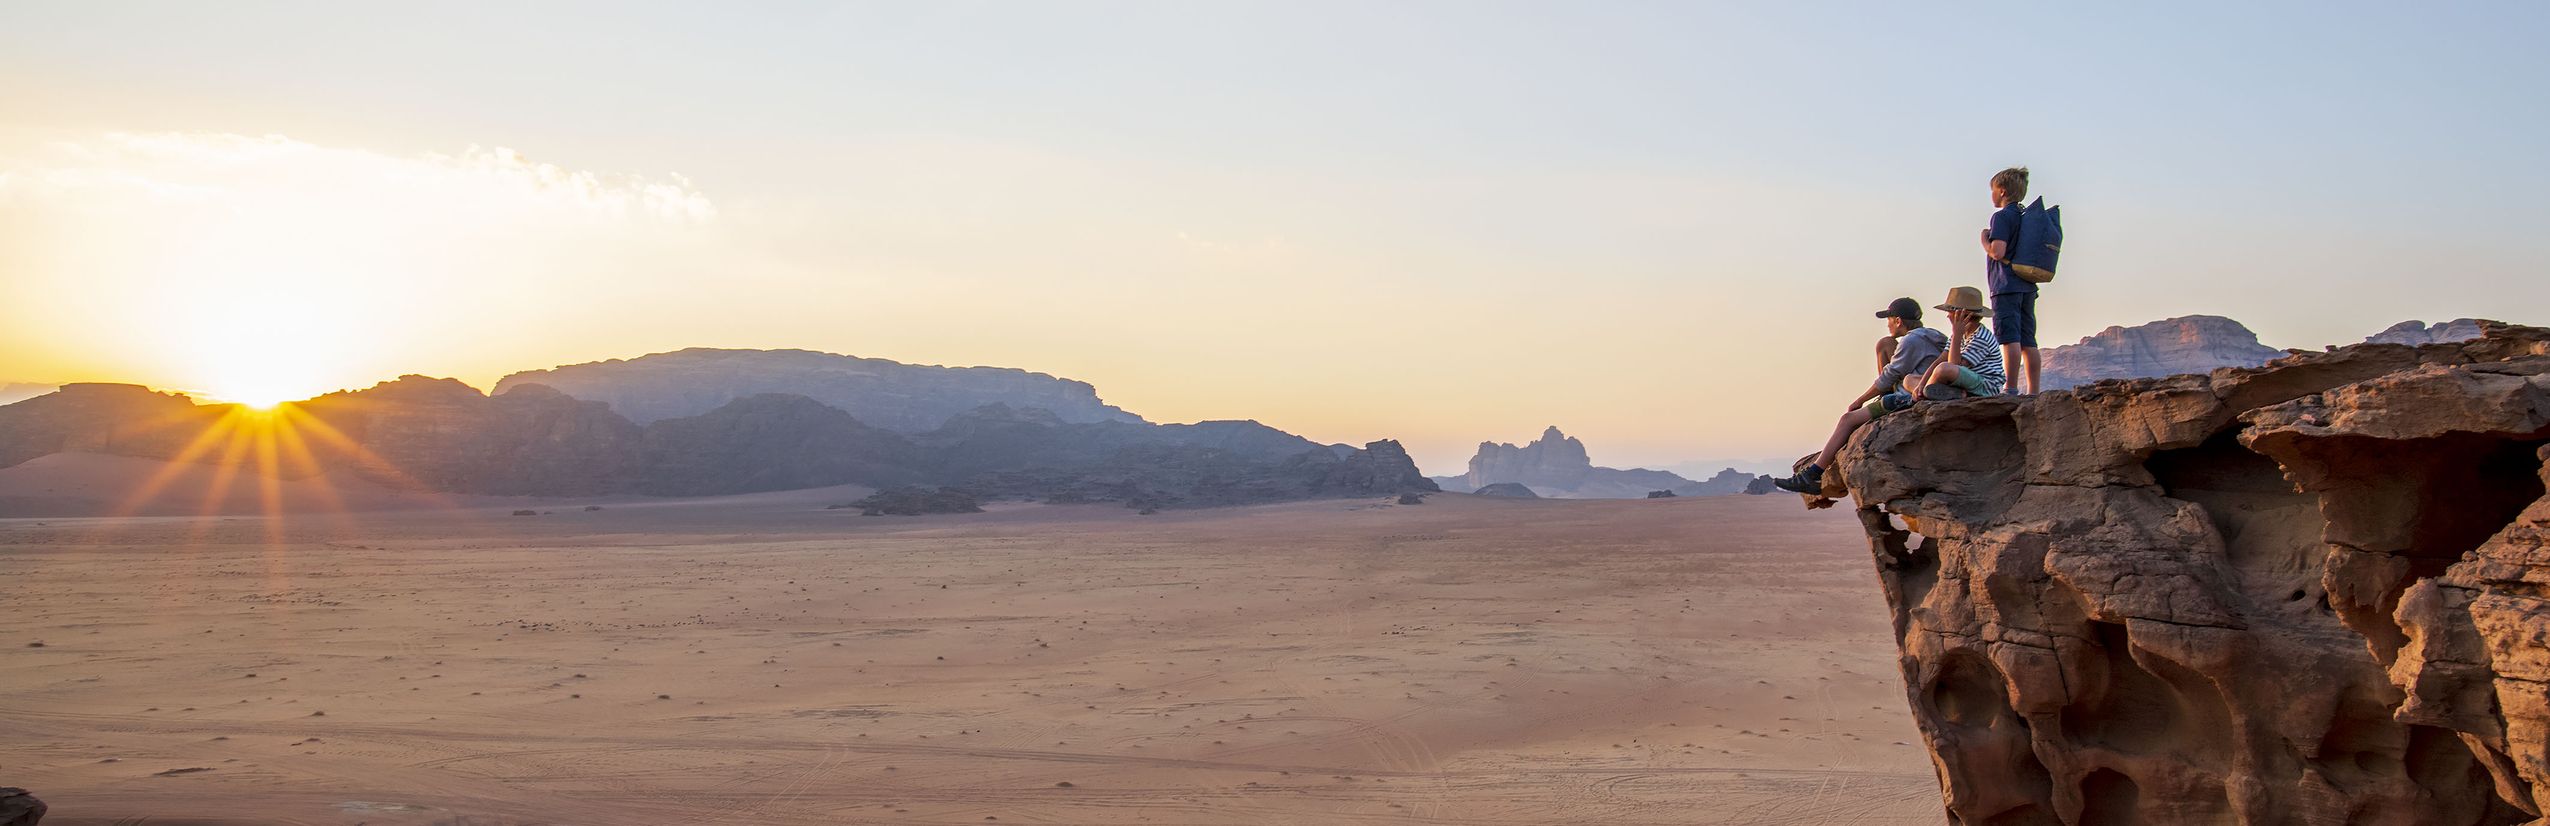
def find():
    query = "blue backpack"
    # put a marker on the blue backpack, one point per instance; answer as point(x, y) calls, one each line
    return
point(2040, 241)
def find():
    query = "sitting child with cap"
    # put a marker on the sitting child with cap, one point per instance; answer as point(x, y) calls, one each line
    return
point(1917, 350)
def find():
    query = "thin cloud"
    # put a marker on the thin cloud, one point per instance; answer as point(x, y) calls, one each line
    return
point(236, 263)
point(203, 166)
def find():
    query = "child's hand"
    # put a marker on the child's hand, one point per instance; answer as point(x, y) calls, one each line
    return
point(1987, 237)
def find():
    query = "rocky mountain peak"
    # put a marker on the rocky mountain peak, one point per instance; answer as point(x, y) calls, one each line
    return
point(414, 389)
point(1555, 458)
point(1557, 465)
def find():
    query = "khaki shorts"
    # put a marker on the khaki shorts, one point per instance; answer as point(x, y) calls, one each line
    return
point(1888, 403)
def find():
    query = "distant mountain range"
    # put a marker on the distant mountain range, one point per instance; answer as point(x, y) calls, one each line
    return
point(420, 433)
point(1557, 466)
point(2198, 344)
point(704, 421)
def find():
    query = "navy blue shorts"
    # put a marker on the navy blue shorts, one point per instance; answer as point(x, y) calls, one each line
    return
point(2014, 318)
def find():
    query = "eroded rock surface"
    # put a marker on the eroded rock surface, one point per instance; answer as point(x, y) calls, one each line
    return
point(2307, 592)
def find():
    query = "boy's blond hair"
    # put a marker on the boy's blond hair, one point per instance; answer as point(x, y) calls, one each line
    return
point(2013, 182)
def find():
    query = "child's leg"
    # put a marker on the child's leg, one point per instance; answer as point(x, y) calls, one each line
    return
point(1965, 380)
point(1842, 431)
point(1885, 351)
point(2027, 339)
point(2006, 328)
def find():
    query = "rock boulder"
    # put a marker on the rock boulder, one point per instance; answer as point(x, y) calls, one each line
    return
point(19, 808)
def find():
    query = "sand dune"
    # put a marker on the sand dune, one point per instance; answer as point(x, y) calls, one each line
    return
point(761, 660)
point(95, 484)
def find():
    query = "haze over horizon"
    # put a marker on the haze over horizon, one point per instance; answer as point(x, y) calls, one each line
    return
point(1659, 229)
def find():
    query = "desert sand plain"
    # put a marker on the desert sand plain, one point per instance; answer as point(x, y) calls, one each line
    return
point(762, 660)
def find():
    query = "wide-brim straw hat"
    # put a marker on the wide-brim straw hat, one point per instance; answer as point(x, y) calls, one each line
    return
point(1968, 299)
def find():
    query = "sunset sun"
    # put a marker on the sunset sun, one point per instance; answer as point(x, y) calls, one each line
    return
point(261, 381)
point(253, 396)
point(261, 393)
point(261, 348)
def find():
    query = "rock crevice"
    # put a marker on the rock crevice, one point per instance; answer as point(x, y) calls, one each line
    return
point(2305, 592)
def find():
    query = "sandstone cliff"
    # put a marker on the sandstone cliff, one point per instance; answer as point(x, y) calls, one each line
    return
point(124, 419)
point(771, 442)
point(907, 398)
point(439, 434)
point(2309, 592)
point(2190, 344)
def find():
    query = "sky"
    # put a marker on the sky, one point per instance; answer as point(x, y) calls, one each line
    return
point(1662, 227)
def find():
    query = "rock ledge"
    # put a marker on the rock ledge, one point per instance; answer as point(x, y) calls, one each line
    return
point(2315, 591)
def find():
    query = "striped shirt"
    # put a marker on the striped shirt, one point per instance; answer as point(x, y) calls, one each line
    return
point(1983, 356)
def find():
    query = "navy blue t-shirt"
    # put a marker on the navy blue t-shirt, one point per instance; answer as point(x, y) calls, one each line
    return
point(1996, 273)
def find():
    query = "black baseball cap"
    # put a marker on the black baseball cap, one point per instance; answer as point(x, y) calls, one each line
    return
point(1903, 308)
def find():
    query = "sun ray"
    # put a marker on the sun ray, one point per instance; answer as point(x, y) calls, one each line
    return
point(363, 457)
point(225, 471)
point(269, 481)
point(211, 437)
point(296, 450)
point(284, 444)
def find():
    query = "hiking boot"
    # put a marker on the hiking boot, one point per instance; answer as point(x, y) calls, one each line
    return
point(1808, 481)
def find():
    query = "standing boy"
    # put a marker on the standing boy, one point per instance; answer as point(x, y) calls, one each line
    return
point(2013, 298)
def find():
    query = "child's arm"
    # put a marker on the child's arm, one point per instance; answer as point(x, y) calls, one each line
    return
point(1887, 378)
point(1998, 237)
